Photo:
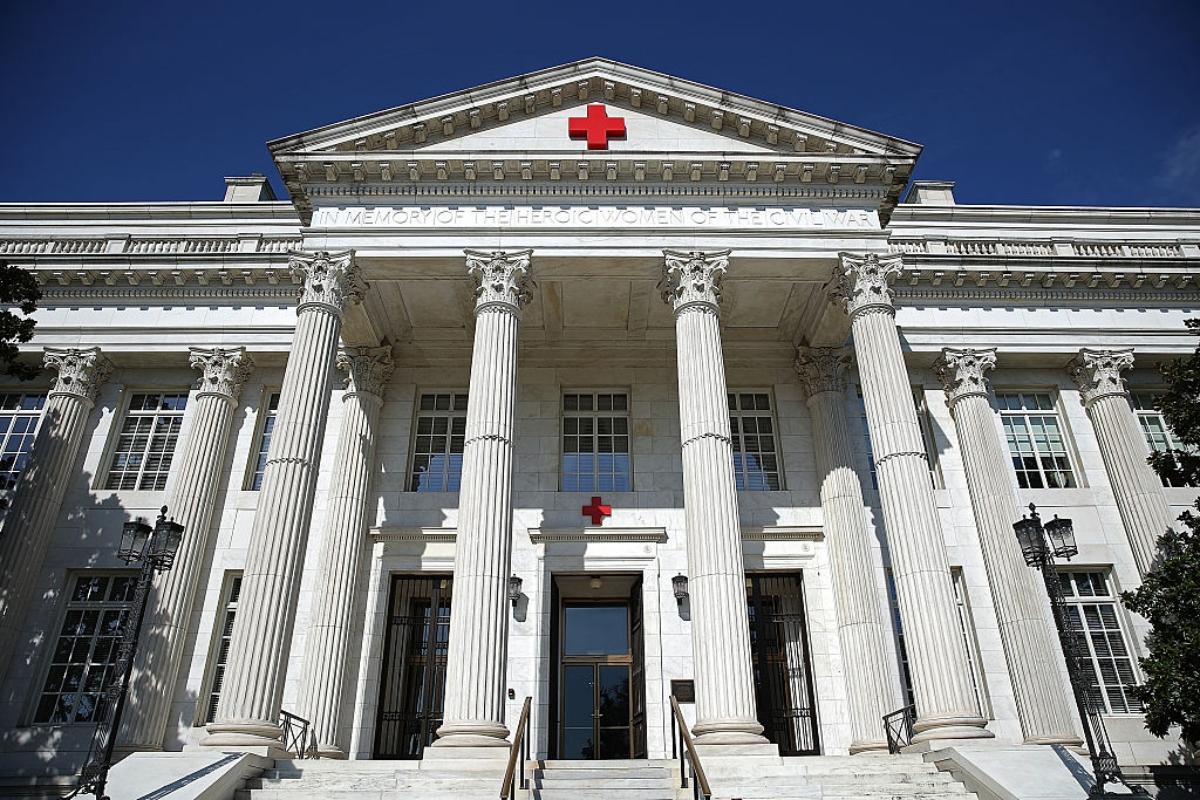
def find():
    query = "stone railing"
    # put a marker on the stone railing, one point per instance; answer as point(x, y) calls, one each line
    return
point(1018, 248)
point(139, 246)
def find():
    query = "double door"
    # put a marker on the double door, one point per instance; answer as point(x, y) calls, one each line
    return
point(600, 708)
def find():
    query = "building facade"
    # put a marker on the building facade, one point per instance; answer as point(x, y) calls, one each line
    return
point(594, 386)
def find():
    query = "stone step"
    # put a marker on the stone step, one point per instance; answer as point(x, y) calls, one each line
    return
point(615, 782)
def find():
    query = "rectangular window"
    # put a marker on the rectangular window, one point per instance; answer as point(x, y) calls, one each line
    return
point(755, 449)
point(146, 444)
point(906, 682)
point(438, 444)
point(20, 415)
point(264, 441)
point(85, 652)
point(966, 624)
point(1092, 611)
point(1159, 435)
point(219, 654)
point(1036, 440)
point(595, 449)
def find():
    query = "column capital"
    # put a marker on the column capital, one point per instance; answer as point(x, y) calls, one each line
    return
point(503, 279)
point(693, 278)
point(962, 371)
point(1097, 373)
point(225, 370)
point(81, 372)
point(822, 369)
point(332, 281)
point(368, 369)
point(860, 283)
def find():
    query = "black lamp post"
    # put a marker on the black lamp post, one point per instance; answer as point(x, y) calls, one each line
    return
point(155, 549)
point(1040, 545)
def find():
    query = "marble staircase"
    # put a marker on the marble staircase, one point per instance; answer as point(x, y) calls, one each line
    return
point(905, 777)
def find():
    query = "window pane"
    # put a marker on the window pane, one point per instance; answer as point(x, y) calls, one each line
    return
point(439, 442)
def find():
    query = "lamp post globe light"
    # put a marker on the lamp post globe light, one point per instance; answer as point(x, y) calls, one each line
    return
point(154, 549)
point(1041, 543)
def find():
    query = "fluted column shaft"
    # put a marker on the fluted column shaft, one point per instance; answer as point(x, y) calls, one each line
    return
point(860, 623)
point(726, 712)
point(328, 644)
point(254, 675)
point(1141, 499)
point(1030, 644)
point(946, 707)
point(29, 524)
point(192, 502)
point(478, 646)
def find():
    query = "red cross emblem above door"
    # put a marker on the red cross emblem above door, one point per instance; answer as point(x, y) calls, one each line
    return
point(597, 127)
point(597, 511)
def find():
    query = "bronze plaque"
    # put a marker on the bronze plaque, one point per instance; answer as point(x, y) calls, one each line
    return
point(684, 691)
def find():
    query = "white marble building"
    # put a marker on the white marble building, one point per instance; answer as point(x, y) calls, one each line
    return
point(714, 281)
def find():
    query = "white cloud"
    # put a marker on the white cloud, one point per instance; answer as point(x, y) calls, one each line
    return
point(1181, 166)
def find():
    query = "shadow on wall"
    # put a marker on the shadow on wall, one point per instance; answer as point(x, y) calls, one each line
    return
point(44, 741)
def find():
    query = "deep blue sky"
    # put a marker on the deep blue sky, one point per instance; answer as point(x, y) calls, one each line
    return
point(1091, 102)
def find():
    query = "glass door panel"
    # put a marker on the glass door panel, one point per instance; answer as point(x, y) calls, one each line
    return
point(613, 710)
point(579, 711)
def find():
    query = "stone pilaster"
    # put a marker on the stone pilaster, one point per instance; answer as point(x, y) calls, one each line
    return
point(478, 646)
point(29, 523)
point(945, 699)
point(248, 713)
point(860, 623)
point(1141, 500)
point(1030, 643)
point(192, 501)
point(725, 703)
point(328, 646)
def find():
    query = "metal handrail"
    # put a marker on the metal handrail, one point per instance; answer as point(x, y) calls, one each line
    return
point(687, 754)
point(518, 749)
point(898, 726)
point(295, 731)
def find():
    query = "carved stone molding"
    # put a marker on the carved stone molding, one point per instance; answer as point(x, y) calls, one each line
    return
point(224, 371)
point(81, 372)
point(502, 279)
point(822, 369)
point(692, 278)
point(1097, 373)
point(368, 369)
point(590, 533)
point(962, 371)
point(331, 280)
point(861, 282)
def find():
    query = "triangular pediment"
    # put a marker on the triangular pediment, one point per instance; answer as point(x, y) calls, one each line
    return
point(517, 130)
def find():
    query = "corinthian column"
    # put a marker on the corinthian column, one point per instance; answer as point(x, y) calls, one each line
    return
point(1141, 500)
point(192, 501)
point(248, 713)
point(327, 650)
point(1030, 644)
point(945, 699)
point(725, 706)
point(478, 646)
point(29, 524)
point(860, 626)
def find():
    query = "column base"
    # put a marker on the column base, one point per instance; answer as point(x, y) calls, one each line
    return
point(248, 736)
point(873, 747)
point(330, 751)
point(728, 732)
point(472, 734)
point(950, 728)
point(1066, 741)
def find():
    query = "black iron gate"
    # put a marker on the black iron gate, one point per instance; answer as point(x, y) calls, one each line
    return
point(782, 667)
point(413, 680)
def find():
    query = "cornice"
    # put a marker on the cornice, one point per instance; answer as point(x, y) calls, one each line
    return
point(914, 215)
point(412, 534)
point(597, 534)
point(182, 212)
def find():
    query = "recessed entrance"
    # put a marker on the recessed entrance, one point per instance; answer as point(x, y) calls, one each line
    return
point(413, 679)
point(598, 685)
point(782, 667)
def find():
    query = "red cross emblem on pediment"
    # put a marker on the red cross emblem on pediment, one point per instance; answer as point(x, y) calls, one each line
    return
point(597, 127)
point(597, 511)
